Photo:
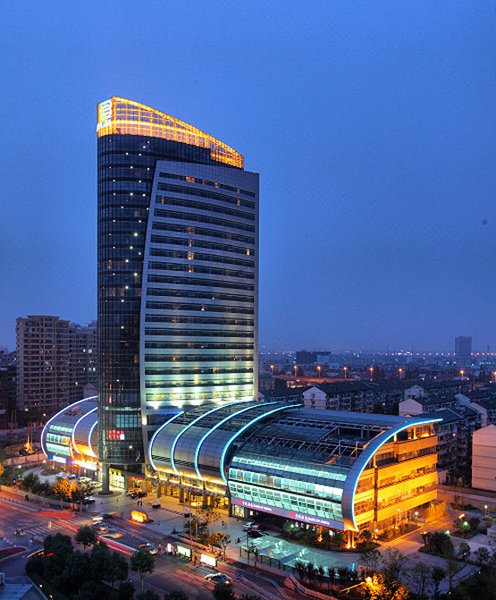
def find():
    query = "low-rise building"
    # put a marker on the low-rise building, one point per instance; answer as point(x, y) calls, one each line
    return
point(354, 396)
point(484, 459)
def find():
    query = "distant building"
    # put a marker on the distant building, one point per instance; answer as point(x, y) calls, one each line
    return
point(7, 395)
point(353, 396)
point(484, 459)
point(55, 361)
point(304, 357)
point(463, 347)
point(82, 361)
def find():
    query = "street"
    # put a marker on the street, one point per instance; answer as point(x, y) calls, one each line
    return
point(171, 573)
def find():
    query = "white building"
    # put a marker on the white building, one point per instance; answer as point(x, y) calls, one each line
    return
point(484, 458)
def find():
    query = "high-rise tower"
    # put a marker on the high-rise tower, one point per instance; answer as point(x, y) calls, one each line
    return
point(177, 274)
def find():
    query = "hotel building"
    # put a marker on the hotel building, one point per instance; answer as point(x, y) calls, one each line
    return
point(177, 275)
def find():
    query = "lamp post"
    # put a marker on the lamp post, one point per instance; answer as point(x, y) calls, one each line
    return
point(400, 371)
point(494, 376)
point(485, 510)
point(272, 369)
point(345, 369)
point(371, 369)
point(462, 373)
point(318, 369)
point(295, 369)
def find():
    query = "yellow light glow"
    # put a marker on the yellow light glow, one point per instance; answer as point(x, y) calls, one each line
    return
point(127, 117)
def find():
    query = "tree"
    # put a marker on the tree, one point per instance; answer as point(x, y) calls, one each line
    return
point(482, 556)
point(439, 543)
point(301, 569)
point(393, 561)
point(224, 540)
point(378, 588)
point(464, 551)
point(420, 574)
point(452, 568)
point(223, 591)
point(370, 559)
point(176, 595)
point(331, 573)
point(116, 568)
point(252, 549)
point(142, 562)
point(86, 536)
point(310, 570)
point(438, 574)
point(321, 572)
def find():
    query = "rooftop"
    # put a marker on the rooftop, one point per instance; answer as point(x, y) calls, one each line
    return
point(127, 117)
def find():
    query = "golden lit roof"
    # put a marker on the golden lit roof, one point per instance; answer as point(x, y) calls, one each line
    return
point(126, 117)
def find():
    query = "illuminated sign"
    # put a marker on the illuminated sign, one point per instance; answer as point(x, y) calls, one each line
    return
point(59, 459)
point(289, 514)
point(211, 561)
point(87, 465)
point(139, 517)
point(116, 434)
point(104, 114)
point(183, 551)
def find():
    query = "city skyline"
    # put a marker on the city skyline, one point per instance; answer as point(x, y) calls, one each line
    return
point(378, 232)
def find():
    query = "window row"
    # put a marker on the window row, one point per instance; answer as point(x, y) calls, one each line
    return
point(196, 371)
point(199, 333)
point(190, 255)
point(195, 243)
point(197, 346)
point(197, 384)
point(185, 203)
point(188, 268)
point(197, 358)
point(200, 282)
point(214, 184)
point(199, 307)
point(196, 218)
point(195, 230)
point(198, 320)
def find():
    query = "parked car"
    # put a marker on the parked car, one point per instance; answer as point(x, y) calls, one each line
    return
point(148, 547)
point(61, 475)
point(218, 578)
point(88, 500)
point(155, 504)
point(249, 525)
point(255, 533)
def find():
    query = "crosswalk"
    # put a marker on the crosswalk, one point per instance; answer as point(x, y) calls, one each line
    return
point(35, 533)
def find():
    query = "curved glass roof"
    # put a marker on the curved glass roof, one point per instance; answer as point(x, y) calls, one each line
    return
point(127, 117)
point(71, 432)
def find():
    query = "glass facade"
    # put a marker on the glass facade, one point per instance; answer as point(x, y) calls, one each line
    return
point(171, 330)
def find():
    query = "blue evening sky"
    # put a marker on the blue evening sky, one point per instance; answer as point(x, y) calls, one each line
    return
point(372, 125)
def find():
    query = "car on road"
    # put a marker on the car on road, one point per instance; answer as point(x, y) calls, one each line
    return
point(111, 515)
point(148, 547)
point(249, 525)
point(155, 504)
point(218, 578)
point(112, 533)
point(101, 527)
point(254, 534)
point(88, 500)
point(61, 475)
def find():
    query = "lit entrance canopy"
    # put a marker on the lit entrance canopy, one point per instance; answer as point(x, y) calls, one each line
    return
point(71, 435)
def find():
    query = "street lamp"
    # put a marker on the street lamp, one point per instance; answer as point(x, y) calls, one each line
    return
point(272, 369)
point(371, 369)
point(295, 369)
point(462, 373)
point(345, 369)
point(485, 510)
point(400, 371)
point(494, 376)
point(318, 369)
